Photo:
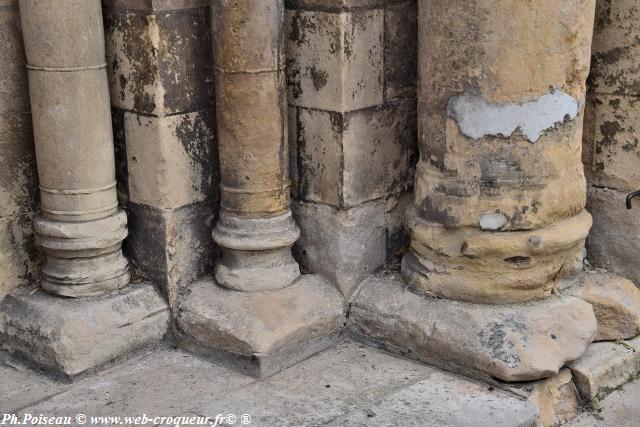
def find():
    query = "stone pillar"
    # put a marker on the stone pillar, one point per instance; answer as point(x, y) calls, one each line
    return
point(261, 315)
point(80, 229)
point(499, 192)
point(255, 229)
point(611, 150)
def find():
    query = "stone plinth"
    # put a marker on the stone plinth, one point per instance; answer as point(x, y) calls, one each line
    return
point(261, 333)
point(71, 337)
point(517, 342)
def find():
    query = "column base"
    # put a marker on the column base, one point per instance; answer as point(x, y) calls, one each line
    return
point(260, 333)
point(74, 336)
point(518, 342)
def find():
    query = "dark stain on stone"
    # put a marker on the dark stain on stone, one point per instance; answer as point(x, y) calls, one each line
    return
point(196, 134)
point(609, 130)
point(495, 340)
point(434, 211)
point(318, 77)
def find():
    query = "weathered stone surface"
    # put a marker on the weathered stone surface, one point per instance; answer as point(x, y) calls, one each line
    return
point(606, 366)
point(614, 68)
point(440, 400)
point(555, 397)
point(347, 159)
point(155, 5)
point(335, 60)
point(619, 409)
point(14, 93)
point(172, 161)
point(261, 332)
point(400, 49)
point(18, 177)
point(160, 61)
point(615, 301)
point(613, 241)
point(18, 253)
point(345, 246)
point(347, 379)
point(510, 342)
point(611, 145)
point(171, 247)
point(73, 336)
point(494, 267)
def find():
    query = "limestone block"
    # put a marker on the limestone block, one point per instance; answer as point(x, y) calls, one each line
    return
point(14, 91)
point(400, 49)
point(335, 5)
point(613, 241)
point(120, 152)
point(345, 246)
point(18, 254)
point(614, 67)
point(510, 342)
point(606, 366)
point(72, 336)
point(612, 148)
point(18, 176)
point(171, 247)
point(160, 63)
point(263, 331)
point(335, 60)
point(397, 232)
point(615, 301)
point(172, 161)
point(154, 5)
point(555, 397)
point(347, 159)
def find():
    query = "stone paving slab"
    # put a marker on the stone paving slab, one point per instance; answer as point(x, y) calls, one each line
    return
point(620, 409)
point(341, 386)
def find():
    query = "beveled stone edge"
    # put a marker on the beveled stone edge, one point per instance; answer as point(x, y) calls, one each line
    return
point(154, 6)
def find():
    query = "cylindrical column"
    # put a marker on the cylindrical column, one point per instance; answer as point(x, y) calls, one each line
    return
point(500, 188)
point(80, 228)
point(255, 229)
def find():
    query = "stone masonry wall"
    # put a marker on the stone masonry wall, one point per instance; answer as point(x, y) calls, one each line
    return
point(351, 70)
point(18, 181)
point(611, 147)
point(159, 57)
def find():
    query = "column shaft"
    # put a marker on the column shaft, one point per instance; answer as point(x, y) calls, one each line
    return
point(80, 229)
point(500, 187)
point(255, 229)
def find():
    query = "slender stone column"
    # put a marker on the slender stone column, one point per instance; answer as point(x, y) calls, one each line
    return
point(81, 228)
point(255, 229)
point(260, 315)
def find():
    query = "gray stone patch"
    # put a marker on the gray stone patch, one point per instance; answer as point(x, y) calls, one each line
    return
point(478, 118)
point(492, 221)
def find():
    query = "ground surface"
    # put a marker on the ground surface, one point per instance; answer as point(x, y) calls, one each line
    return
point(348, 385)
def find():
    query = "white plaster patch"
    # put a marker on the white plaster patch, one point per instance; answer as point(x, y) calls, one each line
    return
point(492, 221)
point(478, 118)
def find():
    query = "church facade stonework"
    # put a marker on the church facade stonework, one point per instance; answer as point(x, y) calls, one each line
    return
point(252, 180)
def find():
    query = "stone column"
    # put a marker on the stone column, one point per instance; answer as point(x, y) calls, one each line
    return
point(81, 228)
point(499, 192)
point(255, 229)
point(261, 315)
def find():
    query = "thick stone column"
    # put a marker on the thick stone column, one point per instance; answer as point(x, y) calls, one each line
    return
point(261, 315)
point(80, 229)
point(255, 230)
point(500, 192)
